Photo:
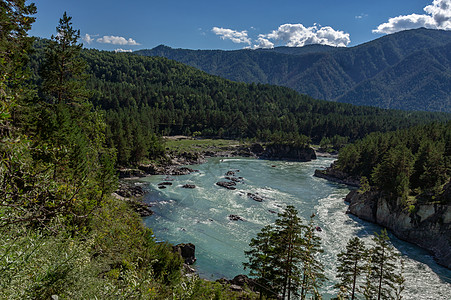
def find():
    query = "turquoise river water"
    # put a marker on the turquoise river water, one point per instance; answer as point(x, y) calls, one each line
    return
point(200, 216)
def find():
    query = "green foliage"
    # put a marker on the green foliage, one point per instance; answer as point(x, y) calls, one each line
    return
point(413, 161)
point(382, 279)
point(283, 258)
point(63, 74)
point(374, 273)
point(350, 267)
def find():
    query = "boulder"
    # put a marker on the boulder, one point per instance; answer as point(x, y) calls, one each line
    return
point(187, 252)
point(188, 186)
point(257, 149)
point(182, 171)
point(129, 189)
point(235, 218)
point(255, 197)
point(227, 184)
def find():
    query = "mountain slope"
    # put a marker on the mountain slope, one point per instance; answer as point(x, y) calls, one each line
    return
point(409, 82)
point(334, 74)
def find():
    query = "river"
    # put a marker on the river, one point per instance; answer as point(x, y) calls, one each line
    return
point(200, 216)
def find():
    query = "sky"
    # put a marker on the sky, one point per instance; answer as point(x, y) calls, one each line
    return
point(237, 24)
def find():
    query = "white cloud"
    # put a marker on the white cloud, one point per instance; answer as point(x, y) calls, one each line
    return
point(88, 38)
point(238, 37)
point(122, 50)
point(263, 43)
point(438, 16)
point(117, 40)
point(297, 35)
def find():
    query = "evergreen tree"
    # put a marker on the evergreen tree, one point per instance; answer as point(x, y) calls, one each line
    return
point(70, 135)
point(313, 270)
point(350, 267)
point(283, 258)
point(63, 71)
point(15, 20)
point(261, 262)
point(382, 279)
point(289, 251)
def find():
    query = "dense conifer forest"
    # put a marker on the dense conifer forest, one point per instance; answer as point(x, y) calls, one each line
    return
point(412, 164)
point(144, 97)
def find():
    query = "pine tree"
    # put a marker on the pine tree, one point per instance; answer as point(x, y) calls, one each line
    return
point(313, 270)
point(351, 266)
point(382, 279)
point(289, 251)
point(15, 20)
point(283, 258)
point(63, 73)
point(261, 261)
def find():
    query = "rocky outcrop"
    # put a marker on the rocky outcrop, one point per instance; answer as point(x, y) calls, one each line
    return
point(239, 283)
point(288, 152)
point(255, 197)
point(131, 193)
point(130, 173)
point(332, 174)
point(187, 252)
point(427, 225)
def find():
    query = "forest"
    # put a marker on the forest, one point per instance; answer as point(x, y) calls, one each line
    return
point(411, 164)
point(145, 97)
point(407, 70)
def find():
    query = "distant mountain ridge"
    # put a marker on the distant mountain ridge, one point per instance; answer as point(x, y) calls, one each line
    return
point(408, 70)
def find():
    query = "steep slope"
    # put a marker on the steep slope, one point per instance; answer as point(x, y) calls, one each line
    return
point(409, 84)
point(330, 73)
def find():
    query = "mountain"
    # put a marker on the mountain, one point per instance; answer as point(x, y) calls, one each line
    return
point(408, 70)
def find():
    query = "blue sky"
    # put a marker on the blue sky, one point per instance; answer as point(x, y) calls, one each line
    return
point(195, 24)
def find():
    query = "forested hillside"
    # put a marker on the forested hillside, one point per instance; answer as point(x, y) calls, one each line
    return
point(378, 73)
point(411, 164)
point(144, 96)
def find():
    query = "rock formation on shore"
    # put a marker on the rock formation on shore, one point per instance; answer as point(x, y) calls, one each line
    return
point(426, 225)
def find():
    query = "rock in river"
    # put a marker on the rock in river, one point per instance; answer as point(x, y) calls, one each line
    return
point(227, 184)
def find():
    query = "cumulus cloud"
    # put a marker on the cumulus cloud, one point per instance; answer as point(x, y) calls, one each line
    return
point(297, 35)
point(238, 37)
point(117, 40)
point(263, 43)
point(438, 16)
point(88, 38)
point(122, 50)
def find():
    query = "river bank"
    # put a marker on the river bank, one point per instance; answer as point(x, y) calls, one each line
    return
point(427, 225)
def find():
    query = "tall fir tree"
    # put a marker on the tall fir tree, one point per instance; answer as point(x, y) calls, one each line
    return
point(289, 251)
point(383, 280)
point(284, 258)
point(261, 262)
point(64, 71)
point(313, 270)
point(351, 265)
